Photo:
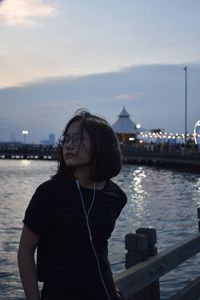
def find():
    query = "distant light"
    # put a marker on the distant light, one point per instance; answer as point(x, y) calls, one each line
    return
point(24, 131)
point(138, 126)
point(131, 139)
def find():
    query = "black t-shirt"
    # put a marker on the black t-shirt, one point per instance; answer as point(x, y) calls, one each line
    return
point(56, 214)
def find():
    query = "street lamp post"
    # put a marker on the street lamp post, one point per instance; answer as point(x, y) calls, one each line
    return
point(185, 69)
point(25, 133)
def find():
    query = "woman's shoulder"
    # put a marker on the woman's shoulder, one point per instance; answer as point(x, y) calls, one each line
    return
point(54, 184)
point(43, 188)
point(46, 185)
point(48, 191)
point(115, 189)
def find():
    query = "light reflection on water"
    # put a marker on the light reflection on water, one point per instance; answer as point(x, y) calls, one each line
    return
point(163, 199)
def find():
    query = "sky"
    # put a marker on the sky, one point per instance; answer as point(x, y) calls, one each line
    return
point(58, 56)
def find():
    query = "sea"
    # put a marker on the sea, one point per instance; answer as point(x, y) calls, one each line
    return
point(164, 199)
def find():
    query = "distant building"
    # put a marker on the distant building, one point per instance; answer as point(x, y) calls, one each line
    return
point(128, 131)
point(50, 141)
point(125, 128)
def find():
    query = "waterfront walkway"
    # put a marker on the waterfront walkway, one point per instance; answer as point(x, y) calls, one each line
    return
point(164, 155)
point(27, 151)
point(177, 156)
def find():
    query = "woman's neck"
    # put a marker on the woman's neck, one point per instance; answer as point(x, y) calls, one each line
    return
point(82, 174)
point(83, 177)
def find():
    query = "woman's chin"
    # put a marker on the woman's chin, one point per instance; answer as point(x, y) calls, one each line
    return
point(70, 163)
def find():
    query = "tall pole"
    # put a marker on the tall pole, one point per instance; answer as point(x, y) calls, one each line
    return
point(185, 69)
point(24, 133)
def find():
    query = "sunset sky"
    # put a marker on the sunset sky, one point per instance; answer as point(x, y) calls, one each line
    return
point(57, 56)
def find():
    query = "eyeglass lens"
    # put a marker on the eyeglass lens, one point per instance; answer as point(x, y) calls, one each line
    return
point(75, 139)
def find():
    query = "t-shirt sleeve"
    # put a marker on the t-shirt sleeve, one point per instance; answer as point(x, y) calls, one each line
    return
point(38, 215)
point(120, 198)
point(122, 202)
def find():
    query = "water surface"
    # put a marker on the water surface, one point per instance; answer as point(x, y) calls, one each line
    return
point(164, 199)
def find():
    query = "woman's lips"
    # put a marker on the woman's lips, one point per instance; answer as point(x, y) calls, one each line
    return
point(69, 155)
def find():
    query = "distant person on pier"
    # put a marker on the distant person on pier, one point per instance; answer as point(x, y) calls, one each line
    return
point(71, 217)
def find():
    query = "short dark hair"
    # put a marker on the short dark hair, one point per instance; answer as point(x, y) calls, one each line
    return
point(106, 153)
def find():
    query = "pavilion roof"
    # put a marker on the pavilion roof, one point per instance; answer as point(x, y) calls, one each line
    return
point(124, 125)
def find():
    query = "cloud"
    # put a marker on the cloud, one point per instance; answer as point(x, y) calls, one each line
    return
point(57, 104)
point(125, 97)
point(152, 95)
point(4, 121)
point(23, 12)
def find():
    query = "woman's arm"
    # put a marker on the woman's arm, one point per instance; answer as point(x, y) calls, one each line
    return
point(26, 263)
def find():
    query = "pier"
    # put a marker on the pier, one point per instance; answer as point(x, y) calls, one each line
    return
point(174, 156)
point(144, 267)
point(27, 151)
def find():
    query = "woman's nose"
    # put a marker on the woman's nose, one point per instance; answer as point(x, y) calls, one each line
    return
point(69, 144)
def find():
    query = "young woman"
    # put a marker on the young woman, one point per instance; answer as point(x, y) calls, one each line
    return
point(71, 217)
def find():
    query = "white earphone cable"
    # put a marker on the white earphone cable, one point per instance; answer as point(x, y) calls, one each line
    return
point(89, 232)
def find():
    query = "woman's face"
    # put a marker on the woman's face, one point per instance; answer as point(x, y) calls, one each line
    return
point(77, 146)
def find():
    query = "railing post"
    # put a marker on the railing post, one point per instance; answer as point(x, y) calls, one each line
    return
point(139, 247)
point(137, 251)
point(153, 290)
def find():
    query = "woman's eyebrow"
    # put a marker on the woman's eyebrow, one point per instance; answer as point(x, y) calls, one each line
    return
point(73, 133)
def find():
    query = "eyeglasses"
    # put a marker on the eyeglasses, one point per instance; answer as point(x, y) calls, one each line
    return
point(75, 139)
